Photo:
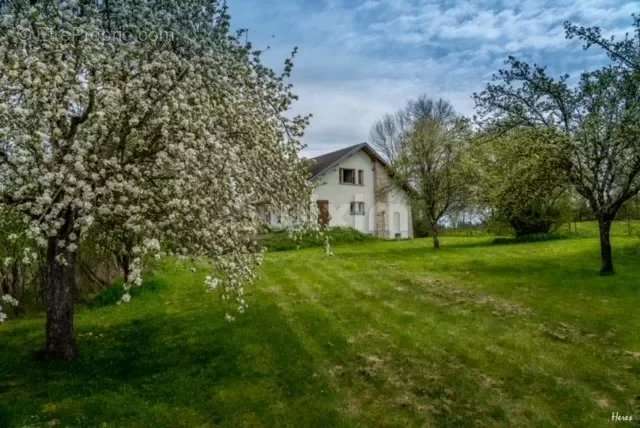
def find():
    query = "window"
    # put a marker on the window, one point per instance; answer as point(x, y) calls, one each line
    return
point(351, 176)
point(347, 176)
point(357, 208)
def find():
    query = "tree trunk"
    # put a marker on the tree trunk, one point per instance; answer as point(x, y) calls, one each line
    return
point(604, 225)
point(124, 258)
point(434, 234)
point(59, 294)
point(126, 267)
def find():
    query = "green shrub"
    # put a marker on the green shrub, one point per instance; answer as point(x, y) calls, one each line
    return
point(281, 240)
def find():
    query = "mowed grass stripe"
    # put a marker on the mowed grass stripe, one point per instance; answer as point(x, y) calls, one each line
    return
point(372, 304)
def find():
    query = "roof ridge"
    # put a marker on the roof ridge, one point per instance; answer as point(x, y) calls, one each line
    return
point(353, 146)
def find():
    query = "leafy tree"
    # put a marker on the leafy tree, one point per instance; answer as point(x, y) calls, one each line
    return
point(150, 115)
point(520, 177)
point(431, 163)
point(598, 119)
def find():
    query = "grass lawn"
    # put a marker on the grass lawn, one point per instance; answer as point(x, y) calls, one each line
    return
point(381, 334)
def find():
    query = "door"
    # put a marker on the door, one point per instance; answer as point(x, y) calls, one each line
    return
point(323, 213)
point(396, 225)
point(360, 219)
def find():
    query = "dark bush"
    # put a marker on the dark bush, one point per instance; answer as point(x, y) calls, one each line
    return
point(533, 219)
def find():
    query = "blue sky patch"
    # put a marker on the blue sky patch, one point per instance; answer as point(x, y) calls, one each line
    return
point(360, 59)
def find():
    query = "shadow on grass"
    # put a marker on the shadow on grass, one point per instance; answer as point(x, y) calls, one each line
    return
point(152, 369)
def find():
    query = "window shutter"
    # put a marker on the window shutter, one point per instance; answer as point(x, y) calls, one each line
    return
point(340, 175)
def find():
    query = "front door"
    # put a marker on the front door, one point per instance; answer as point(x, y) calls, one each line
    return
point(323, 213)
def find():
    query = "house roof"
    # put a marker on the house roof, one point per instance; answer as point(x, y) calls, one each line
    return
point(322, 163)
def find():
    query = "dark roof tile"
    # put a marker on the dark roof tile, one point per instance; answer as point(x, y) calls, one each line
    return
point(321, 163)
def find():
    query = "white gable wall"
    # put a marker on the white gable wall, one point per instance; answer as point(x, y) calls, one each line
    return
point(397, 210)
point(393, 214)
point(340, 196)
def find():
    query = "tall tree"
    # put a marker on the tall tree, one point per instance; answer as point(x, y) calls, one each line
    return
point(431, 163)
point(598, 120)
point(150, 115)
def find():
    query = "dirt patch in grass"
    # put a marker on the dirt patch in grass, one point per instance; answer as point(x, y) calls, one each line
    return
point(414, 386)
point(447, 294)
point(563, 332)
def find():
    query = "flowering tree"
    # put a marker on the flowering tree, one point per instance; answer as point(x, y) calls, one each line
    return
point(147, 115)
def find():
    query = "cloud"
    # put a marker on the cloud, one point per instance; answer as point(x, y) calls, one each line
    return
point(360, 59)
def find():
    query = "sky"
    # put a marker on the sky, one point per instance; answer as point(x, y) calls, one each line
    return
point(360, 59)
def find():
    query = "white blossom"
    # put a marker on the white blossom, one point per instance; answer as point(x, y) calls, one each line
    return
point(327, 247)
point(7, 300)
point(173, 150)
point(211, 283)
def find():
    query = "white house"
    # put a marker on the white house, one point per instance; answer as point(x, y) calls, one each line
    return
point(353, 188)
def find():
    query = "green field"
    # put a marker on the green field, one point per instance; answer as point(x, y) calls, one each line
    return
point(381, 334)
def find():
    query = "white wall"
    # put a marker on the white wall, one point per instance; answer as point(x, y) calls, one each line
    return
point(340, 196)
point(399, 203)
